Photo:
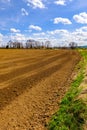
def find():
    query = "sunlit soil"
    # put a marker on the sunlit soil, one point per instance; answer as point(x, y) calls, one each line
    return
point(32, 84)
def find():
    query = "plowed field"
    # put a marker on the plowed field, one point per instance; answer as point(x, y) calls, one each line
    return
point(32, 84)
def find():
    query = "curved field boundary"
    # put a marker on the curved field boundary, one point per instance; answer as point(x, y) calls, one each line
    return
point(34, 93)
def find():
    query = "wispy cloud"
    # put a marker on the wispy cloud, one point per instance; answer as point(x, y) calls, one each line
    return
point(5, 1)
point(35, 3)
point(5, 22)
point(24, 12)
point(79, 4)
point(2, 8)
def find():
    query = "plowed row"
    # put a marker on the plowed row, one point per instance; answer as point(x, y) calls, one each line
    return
point(32, 83)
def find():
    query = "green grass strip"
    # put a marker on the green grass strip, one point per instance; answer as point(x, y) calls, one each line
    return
point(72, 112)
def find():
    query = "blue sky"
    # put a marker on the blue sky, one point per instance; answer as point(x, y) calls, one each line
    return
point(60, 21)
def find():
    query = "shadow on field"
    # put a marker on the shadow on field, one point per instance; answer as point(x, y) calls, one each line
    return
point(29, 68)
point(9, 93)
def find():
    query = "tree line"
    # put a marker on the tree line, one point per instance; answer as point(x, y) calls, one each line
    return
point(29, 44)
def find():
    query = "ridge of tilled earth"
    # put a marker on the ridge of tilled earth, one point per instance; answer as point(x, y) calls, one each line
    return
point(27, 103)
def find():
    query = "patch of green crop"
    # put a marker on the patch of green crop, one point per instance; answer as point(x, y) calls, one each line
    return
point(73, 111)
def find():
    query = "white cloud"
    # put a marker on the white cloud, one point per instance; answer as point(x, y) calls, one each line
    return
point(35, 3)
point(37, 28)
point(64, 37)
point(62, 2)
point(24, 12)
point(1, 36)
point(82, 29)
point(18, 36)
point(13, 30)
point(57, 31)
point(59, 37)
point(62, 20)
point(81, 18)
point(1, 39)
point(39, 34)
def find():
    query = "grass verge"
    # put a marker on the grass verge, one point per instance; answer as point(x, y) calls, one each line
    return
point(73, 111)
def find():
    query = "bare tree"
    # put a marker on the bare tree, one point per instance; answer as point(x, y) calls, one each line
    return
point(10, 44)
point(14, 44)
point(29, 43)
point(47, 44)
point(37, 44)
point(72, 45)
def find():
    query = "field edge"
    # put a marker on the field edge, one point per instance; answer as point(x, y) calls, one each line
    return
point(72, 110)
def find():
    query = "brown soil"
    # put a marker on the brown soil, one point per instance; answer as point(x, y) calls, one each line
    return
point(32, 84)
